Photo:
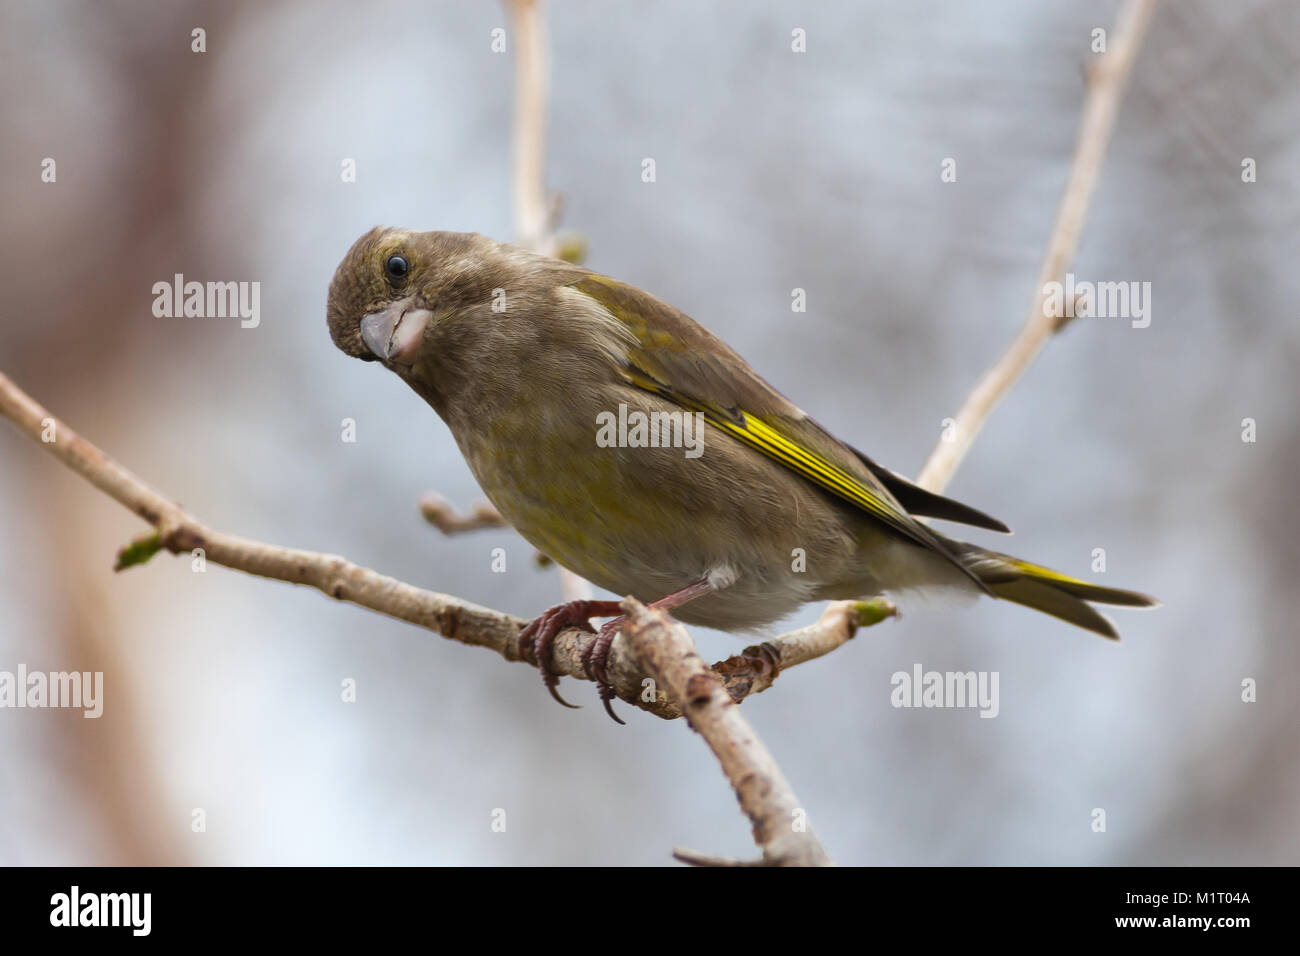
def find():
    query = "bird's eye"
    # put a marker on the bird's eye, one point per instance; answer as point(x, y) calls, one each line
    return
point(397, 267)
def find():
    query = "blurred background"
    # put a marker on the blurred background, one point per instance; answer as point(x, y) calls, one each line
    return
point(775, 170)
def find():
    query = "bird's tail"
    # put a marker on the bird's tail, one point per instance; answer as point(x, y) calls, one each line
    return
point(1046, 590)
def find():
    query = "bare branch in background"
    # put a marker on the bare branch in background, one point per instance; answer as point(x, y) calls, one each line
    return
point(534, 218)
point(1106, 82)
point(440, 513)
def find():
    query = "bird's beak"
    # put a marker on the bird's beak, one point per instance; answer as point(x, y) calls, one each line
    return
point(394, 334)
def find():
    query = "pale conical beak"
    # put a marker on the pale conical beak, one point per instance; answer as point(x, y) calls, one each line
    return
point(394, 334)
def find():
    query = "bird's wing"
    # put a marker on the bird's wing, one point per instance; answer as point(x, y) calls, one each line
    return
point(680, 360)
point(919, 501)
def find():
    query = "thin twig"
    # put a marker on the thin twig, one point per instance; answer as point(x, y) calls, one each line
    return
point(696, 858)
point(440, 513)
point(1105, 85)
point(533, 212)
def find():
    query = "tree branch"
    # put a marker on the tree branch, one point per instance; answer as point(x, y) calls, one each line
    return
point(533, 212)
point(177, 531)
point(779, 822)
point(440, 513)
point(1106, 81)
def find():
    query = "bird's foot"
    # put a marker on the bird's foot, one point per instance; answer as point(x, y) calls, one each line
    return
point(595, 660)
point(540, 634)
point(541, 631)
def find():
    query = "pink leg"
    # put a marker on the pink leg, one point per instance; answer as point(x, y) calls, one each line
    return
point(596, 657)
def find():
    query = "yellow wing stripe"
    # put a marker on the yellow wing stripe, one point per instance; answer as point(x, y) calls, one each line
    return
point(815, 467)
point(758, 434)
point(1038, 571)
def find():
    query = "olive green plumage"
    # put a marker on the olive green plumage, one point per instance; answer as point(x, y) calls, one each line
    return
point(522, 355)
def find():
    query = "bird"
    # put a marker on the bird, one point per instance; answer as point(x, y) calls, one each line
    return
point(634, 447)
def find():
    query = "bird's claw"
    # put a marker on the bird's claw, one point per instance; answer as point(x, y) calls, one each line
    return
point(539, 634)
point(595, 660)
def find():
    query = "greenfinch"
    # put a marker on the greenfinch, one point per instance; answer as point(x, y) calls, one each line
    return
point(636, 449)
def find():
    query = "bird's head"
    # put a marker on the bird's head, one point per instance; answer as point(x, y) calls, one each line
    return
point(392, 288)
